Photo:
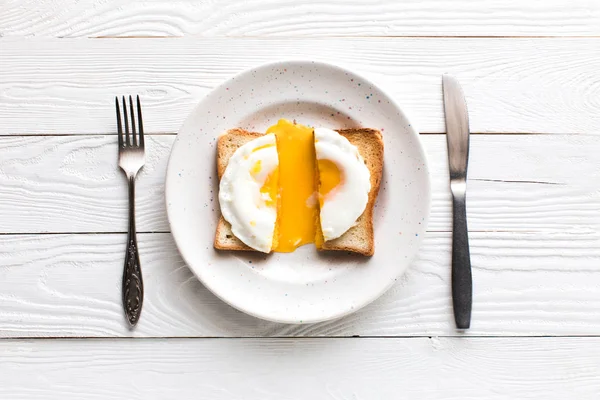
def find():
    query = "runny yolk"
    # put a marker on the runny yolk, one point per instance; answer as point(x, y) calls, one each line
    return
point(264, 146)
point(329, 177)
point(270, 188)
point(256, 168)
point(298, 209)
point(269, 192)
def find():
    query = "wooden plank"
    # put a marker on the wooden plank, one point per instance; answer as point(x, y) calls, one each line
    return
point(517, 85)
point(72, 184)
point(524, 284)
point(72, 18)
point(269, 369)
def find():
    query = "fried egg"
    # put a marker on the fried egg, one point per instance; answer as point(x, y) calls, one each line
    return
point(293, 186)
point(344, 183)
point(248, 192)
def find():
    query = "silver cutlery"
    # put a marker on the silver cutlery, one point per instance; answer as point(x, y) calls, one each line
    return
point(457, 136)
point(131, 160)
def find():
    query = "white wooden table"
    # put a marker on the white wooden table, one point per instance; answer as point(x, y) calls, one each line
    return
point(531, 73)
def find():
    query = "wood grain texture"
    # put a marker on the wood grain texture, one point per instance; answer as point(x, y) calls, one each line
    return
point(525, 284)
point(122, 18)
point(72, 184)
point(516, 85)
point(328, 369)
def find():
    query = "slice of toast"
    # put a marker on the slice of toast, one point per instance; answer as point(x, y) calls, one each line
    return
point(359, 238)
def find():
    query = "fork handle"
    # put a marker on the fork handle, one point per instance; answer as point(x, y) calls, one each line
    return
point(462, 283)
point(133, 286)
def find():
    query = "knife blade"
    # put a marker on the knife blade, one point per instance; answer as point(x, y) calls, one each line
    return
point(457, 136)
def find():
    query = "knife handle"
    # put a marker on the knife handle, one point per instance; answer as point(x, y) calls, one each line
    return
point(462, 283)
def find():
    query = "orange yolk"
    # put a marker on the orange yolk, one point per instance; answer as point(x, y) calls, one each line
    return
point(264, 146)
point(256, 168)
point(298, 187)
point(270, 188)
point(298, 208)
point(329, 177)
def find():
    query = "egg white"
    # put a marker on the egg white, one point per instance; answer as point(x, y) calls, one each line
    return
point(242, 203)
point(346, 202)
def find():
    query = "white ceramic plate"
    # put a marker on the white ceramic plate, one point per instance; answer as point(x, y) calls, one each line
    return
point(304, 286)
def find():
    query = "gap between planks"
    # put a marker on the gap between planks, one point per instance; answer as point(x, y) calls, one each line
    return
point(169, 232)
point(295, 338)
point(337, 37)
point(100, 133)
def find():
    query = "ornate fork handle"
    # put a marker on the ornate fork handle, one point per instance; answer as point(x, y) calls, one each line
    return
point(132, 157)
point(133, 286)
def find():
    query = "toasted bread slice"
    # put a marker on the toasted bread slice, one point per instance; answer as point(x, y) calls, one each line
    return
point(359, 238)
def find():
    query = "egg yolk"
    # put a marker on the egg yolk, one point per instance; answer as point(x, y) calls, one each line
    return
point(298, 208)
point(330, 177)
point(269, 189)
point(256, 167)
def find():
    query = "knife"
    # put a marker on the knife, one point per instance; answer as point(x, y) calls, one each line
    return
point(457, 136)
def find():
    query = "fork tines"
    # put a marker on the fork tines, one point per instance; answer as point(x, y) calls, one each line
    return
point(130, 139)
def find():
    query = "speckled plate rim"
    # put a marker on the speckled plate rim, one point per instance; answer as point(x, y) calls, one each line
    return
point(179, 230)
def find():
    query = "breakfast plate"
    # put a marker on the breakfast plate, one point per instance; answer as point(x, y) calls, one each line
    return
point(305, 286)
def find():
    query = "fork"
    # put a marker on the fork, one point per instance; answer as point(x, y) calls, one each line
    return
point(131, 159)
